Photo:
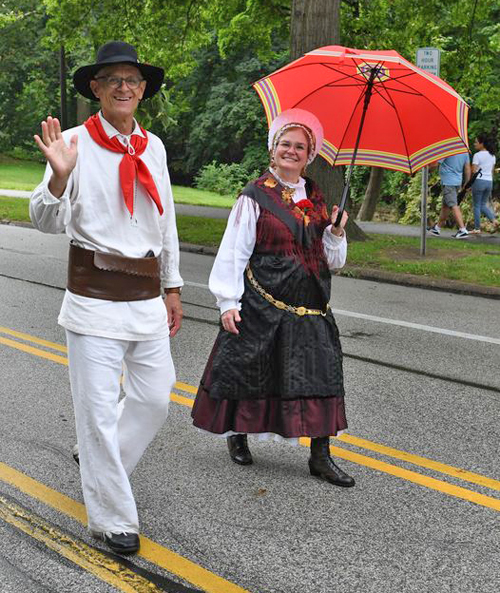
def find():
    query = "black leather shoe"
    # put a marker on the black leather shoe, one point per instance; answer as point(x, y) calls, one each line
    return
point(122, 543)
point(238, 449)
point(323, 466)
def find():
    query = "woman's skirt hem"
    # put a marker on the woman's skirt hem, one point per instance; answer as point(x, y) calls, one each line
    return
point(308, 417)
point(262, 437)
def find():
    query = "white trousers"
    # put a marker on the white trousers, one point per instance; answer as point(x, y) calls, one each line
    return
point(112, 437)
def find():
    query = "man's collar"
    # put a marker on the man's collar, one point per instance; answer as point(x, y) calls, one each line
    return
point(111, 131)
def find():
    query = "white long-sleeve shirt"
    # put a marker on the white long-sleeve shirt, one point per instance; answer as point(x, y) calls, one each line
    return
point(226, 280)
point(92, 212)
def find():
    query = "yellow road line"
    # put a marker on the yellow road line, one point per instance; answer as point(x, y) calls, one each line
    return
point(29, 338)
point(405, 474)
point(180, 399)
point(355, 457)
point(35, 351)
point(186, 387)
point(81, 554)
point(59, 348)
point(150, 550)
point(443, 468)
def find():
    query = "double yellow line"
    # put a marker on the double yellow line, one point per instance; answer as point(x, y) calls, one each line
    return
point(429, 464)
point(87, 557)
point(190, 571)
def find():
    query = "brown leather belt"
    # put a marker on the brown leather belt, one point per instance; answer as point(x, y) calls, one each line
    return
point(112, 277)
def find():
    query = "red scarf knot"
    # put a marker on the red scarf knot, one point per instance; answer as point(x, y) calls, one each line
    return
point(131, 166)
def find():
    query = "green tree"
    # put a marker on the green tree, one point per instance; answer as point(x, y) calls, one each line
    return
point(467, 32)
point(28, 75)
point(218, 114)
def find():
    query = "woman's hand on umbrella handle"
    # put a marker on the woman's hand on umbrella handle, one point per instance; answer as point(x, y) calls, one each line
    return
point(337, 228)
point(229, 320)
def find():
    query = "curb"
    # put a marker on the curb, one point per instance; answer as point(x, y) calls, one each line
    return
point(411, 280)
point(424, 282)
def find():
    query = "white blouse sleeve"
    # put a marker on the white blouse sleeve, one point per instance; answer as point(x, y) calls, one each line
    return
point(48, 213)
point(335, 249)
point(226, 279)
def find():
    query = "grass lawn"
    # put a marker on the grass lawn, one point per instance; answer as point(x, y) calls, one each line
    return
point(192, 229)
point(15, 209)
point(199, 197)
point(466, 261)
point(21, 175)
point(26, 175)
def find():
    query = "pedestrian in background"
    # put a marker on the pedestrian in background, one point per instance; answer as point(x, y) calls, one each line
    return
point(107, 187)
point(454, 171)
point(484, 159)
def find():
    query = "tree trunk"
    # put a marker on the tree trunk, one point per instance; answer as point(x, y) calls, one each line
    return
point(315, 23)
point(372, 194)
point(82, 110)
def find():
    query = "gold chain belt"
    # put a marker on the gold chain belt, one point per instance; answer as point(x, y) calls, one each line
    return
point(280, 304)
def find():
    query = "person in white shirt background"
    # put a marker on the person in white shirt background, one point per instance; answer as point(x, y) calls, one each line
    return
point(276, 366)
point(485, 160)
point(107, 187)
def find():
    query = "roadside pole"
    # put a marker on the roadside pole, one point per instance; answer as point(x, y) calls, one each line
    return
point(62, 86)
point(429, 59)
point(425, 185)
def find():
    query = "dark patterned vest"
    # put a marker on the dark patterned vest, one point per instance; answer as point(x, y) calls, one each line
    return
point(288, 259)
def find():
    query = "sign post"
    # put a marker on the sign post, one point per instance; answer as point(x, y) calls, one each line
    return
point(423, 209)
point(428, 59)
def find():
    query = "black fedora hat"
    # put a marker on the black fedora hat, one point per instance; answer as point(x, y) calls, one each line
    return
point(117, 52)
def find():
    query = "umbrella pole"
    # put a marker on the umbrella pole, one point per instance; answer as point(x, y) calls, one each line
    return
point(368, 95)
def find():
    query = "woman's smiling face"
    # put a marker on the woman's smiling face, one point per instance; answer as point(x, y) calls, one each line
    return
point(291, 153)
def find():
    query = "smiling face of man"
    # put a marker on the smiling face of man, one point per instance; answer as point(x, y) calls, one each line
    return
point(119, 89)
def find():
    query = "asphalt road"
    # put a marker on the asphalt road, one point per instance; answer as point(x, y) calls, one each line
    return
point(423, 402)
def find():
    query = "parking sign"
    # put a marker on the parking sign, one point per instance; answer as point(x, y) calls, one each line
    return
point(428, 58)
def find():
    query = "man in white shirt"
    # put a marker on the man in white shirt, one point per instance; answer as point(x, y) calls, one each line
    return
point(107, 187)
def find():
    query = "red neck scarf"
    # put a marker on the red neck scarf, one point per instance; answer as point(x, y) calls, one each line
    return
point(131, 166)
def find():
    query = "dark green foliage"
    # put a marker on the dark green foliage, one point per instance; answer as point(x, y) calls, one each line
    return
point(212, 50)
point(29, 75)
point(224, 179)
point(219, 115)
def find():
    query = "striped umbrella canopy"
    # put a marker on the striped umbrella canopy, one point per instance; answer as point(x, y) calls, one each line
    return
point(376, 108)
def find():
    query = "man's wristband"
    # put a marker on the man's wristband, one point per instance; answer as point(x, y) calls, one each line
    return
point(175, 290)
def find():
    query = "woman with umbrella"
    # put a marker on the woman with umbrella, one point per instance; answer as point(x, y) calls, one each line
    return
point(276, 366)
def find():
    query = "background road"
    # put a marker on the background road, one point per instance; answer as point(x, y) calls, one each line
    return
point(422, 376)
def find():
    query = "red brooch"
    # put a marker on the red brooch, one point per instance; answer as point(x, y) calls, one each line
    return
point(305, 205)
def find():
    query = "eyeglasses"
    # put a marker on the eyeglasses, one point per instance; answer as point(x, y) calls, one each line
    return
point(116, 81)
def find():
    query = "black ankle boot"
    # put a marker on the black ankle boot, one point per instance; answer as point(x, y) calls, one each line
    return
point(322, 465)
point(238, 449)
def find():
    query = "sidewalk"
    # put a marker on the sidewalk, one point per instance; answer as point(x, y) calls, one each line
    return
point(383, 228)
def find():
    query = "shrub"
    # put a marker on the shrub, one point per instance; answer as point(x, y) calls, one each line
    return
point(412, 201)
point(224, 179)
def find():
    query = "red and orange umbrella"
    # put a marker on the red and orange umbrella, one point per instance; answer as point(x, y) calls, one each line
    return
point(413, 117)
point(376, 108)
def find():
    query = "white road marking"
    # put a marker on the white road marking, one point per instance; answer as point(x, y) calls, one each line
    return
point(419, 326)
point(408, 324)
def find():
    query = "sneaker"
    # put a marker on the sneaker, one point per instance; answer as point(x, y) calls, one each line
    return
point(76, 454)
point(435, 230)
point(475, 231)
point(461, 234)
